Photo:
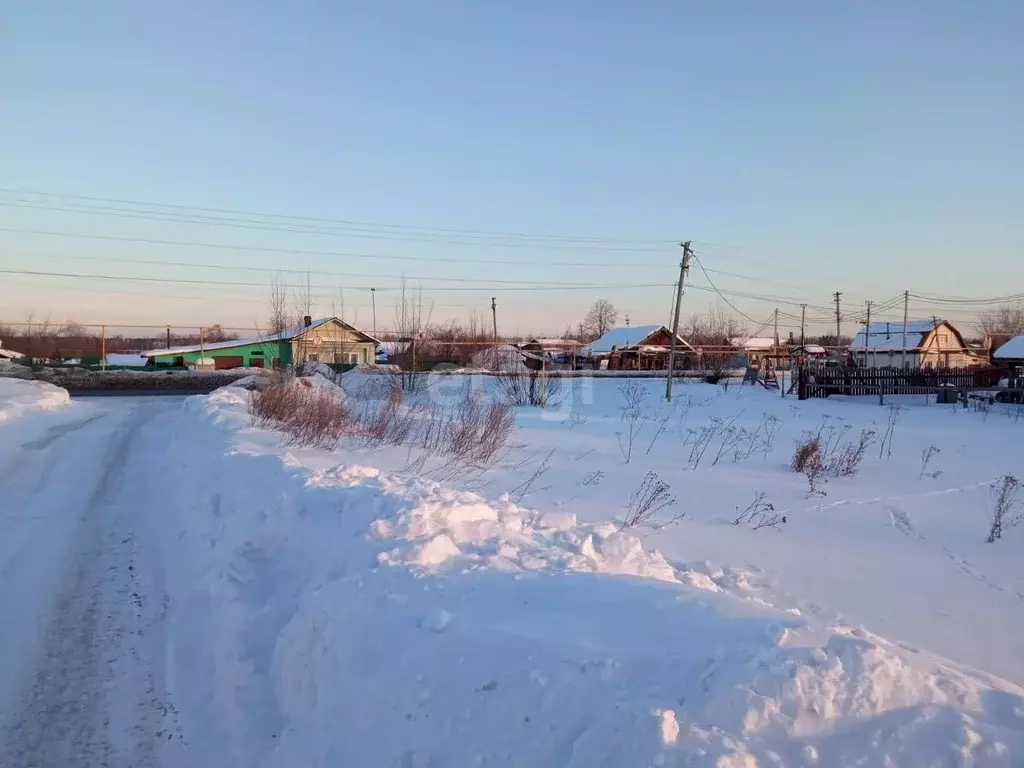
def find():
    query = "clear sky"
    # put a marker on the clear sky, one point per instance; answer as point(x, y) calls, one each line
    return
point(805, 147)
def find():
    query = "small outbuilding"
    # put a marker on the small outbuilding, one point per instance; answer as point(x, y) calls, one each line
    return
point(1011, 354)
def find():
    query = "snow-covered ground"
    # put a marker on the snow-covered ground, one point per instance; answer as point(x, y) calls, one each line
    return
point(20, 396)
point(297, 606)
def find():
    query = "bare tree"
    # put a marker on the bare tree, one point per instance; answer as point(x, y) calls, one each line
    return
point(1006, 319)
point(713, 333)
point(302, 303)
point(600, 318)
point(278, 305)
point(410, 321)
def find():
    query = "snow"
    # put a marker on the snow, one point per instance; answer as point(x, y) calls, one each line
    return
point(126, 359)
point(21, 396)
point(327, 608)
point(499, 630)
point(754, 344)
point(1011, 350)
point(889, 336)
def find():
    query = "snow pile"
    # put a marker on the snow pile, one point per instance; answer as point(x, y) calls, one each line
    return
point(18, 396)
point(452, 528)
point(340, 614)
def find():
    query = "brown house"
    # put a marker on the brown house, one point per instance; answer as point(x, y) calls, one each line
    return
point(638, 348)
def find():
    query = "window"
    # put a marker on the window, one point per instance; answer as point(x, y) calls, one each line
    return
point(256, 353)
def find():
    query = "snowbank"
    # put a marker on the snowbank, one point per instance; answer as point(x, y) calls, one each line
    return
point(18, 396)
point(346, 615)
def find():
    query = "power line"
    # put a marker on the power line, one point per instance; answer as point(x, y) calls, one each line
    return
point(311, 252)
point(194, 281)
point(700, 264)
point(237, 212)
point(249, 224)
point(276, 270)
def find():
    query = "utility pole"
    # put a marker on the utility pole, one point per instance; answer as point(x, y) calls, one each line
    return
point(837, 294)
point(803, 318)
point(684, 265)
point(373, 303)
point(202, 350)
point(775, 353)
point(494, 317)
point(103, 347)
point(906, 309)
point(168, 337)
point(867, 335)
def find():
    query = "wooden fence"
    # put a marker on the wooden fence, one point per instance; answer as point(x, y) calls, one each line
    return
point(821, 381)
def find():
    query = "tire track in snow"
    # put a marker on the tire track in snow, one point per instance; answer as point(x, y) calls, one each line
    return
point(95, 697)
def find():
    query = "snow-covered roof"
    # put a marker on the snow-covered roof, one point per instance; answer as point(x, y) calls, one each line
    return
point(888, 336)
point(282, 336)
point(760, 343)
point(631, 336)
point(9, 354)
point(1011, 350)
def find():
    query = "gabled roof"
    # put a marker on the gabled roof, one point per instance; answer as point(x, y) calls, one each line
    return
point(1011, 350)
point(888, 336)
point(287, 335)
point(632, 336)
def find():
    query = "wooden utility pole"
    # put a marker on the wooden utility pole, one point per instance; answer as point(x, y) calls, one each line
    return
point(103, 347)
point(202, 349)
point(373, 303)
point(867, 335)
point(803, 318)
point(684, 265)
point(776, 353)
point(168, 337)
point(837, 294)
point(494, 317)
point(906, 308)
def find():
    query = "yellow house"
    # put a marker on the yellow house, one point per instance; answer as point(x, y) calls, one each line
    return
point(330, 340)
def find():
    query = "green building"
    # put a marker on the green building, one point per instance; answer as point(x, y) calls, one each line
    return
point(328, 340)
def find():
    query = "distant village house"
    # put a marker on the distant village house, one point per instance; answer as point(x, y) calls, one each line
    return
point(327, 340)
point(929, 344)
point(638, 348)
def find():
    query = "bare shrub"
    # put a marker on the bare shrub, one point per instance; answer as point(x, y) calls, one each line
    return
point(634, 394)
point(1007, 508)
point(650, 497)
point(593, 478)
point(825, 453)
point(703, 438)
point(807, 454)
point(661, 426)
point(926, 456)
point(759, 513)
point(387, 424)
point(527, 485)
point(895, 414)
point(846, 458)
point(528, 387)
point(471, 433)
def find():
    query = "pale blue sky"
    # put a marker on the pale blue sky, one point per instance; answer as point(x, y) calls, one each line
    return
point(868, 147)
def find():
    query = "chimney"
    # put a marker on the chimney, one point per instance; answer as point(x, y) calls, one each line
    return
point(307, 321)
